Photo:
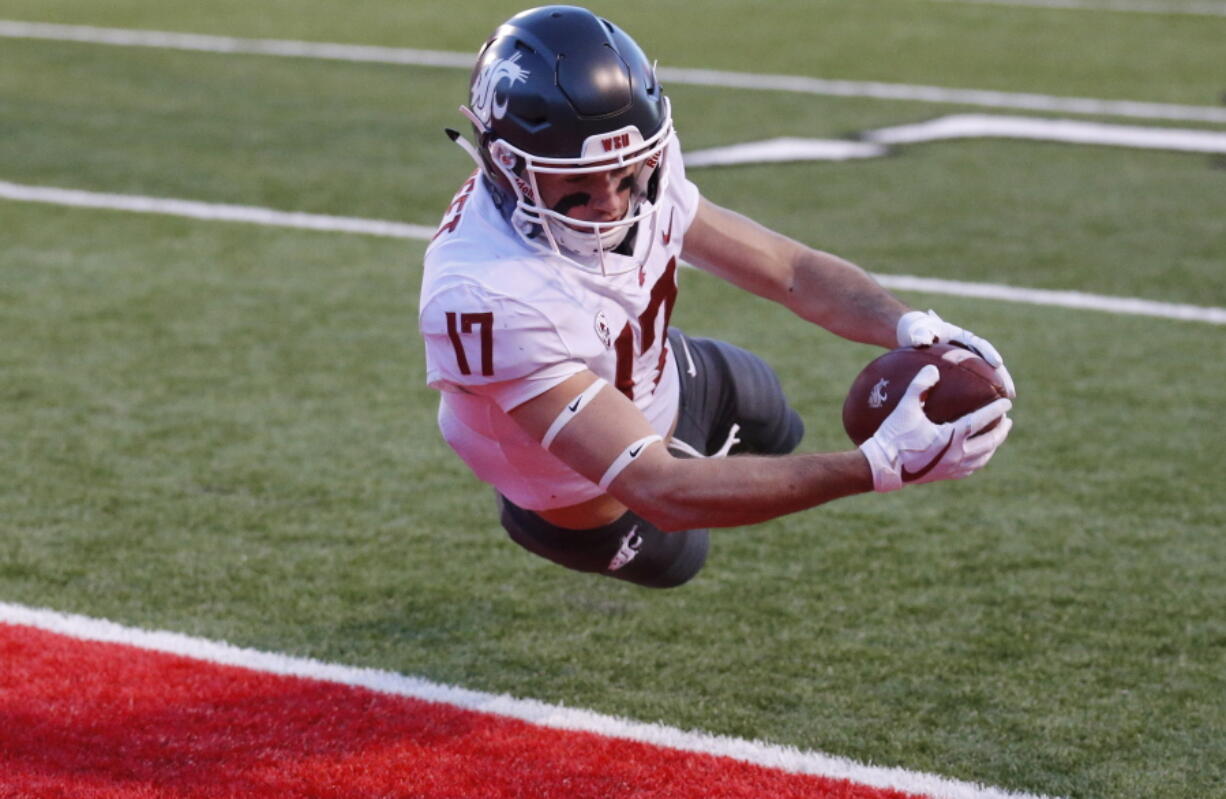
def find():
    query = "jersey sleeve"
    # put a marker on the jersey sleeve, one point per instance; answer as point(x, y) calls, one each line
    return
point(481, 342)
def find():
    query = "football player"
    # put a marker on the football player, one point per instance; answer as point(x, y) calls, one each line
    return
point(545, 309)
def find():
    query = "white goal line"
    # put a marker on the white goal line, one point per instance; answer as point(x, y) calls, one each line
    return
point(783, 758)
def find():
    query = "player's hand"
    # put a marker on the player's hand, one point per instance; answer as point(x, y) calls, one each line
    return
point(920, 329)
point(911, 448)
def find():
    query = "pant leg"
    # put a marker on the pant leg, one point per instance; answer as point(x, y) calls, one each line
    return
point(724, 385)
point(630, 548)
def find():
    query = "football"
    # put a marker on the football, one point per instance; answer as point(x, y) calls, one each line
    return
point(967, 383)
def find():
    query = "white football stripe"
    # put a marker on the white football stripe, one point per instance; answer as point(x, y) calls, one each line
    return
point(1069, 131)
point(784, 149)
point(380, 227)
point(875, 143)
point(937, 94)
point(212, 211)
point(1062, 299)
point(1195, 9)
point(699, 77)
point(203, 43)
point(777, 757)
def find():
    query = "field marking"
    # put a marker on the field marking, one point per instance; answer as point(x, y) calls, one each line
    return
point(1069, 131)
point(695, 77)
point(783, 758)
point(1127, 306)
point(204, 43)
point(248, 214)
point(784, 149)
point(874, 143)
point(1195, 9)
point(221, 212)
point(937, 94)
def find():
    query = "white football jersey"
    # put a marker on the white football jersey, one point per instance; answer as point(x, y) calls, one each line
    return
point(505, 320)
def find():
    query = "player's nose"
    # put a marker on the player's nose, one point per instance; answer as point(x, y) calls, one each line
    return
point(605, 198)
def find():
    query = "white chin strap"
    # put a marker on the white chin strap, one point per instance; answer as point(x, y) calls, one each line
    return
point(587, 243)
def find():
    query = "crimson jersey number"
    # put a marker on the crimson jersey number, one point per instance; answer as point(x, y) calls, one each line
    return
point(663, 298)
point(485, 322)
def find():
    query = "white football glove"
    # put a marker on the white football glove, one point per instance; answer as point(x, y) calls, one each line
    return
point(911, 448)
point(919, 329)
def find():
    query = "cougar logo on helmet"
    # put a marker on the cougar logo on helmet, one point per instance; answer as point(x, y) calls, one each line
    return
point(485, 106)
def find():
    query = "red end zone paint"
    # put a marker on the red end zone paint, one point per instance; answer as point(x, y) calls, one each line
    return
point(103, 720)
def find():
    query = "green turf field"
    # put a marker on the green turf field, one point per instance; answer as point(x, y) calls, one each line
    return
point(222, 429)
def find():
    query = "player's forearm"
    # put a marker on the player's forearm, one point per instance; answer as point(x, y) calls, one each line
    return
point(843, 298)
point(745, 489)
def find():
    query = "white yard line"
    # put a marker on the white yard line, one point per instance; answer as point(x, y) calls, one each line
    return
point(784, 149)
point(1079, 300)
point(783, 758)
point(876, 143)
point(212, 211)
point(400, 230)
point(1194, 9)
point(699, 77)
point(1068, 131)
point(936, 94)
point(203, 43)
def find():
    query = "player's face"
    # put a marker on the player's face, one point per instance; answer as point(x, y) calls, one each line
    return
point(591, 197)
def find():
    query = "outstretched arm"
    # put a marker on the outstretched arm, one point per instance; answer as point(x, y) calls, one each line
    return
point(606, 439)
point(681, 493)
point(822, 288)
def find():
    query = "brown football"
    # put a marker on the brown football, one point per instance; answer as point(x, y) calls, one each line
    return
point(967, 383)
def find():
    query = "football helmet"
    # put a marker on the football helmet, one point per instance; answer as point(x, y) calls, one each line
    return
point(559, 90)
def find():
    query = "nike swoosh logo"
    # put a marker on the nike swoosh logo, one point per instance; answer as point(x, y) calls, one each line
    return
point(574, 406)
point(634, 453)
point(908, 476)
point(669, 235)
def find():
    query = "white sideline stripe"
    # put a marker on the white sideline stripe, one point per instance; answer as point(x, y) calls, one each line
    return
point(699, 77)
point(784, 149)
point(1203, 9)
point(400, 230)
point(1063, 299)
point(212, 211)
point(126, 37)
point(937, 94)
point(969, 126)
point(873, 143)
point(783, 758)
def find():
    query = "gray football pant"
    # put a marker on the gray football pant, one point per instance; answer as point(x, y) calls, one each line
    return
point(731, 402)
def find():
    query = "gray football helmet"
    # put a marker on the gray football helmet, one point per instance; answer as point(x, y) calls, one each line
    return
point(559, 90)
